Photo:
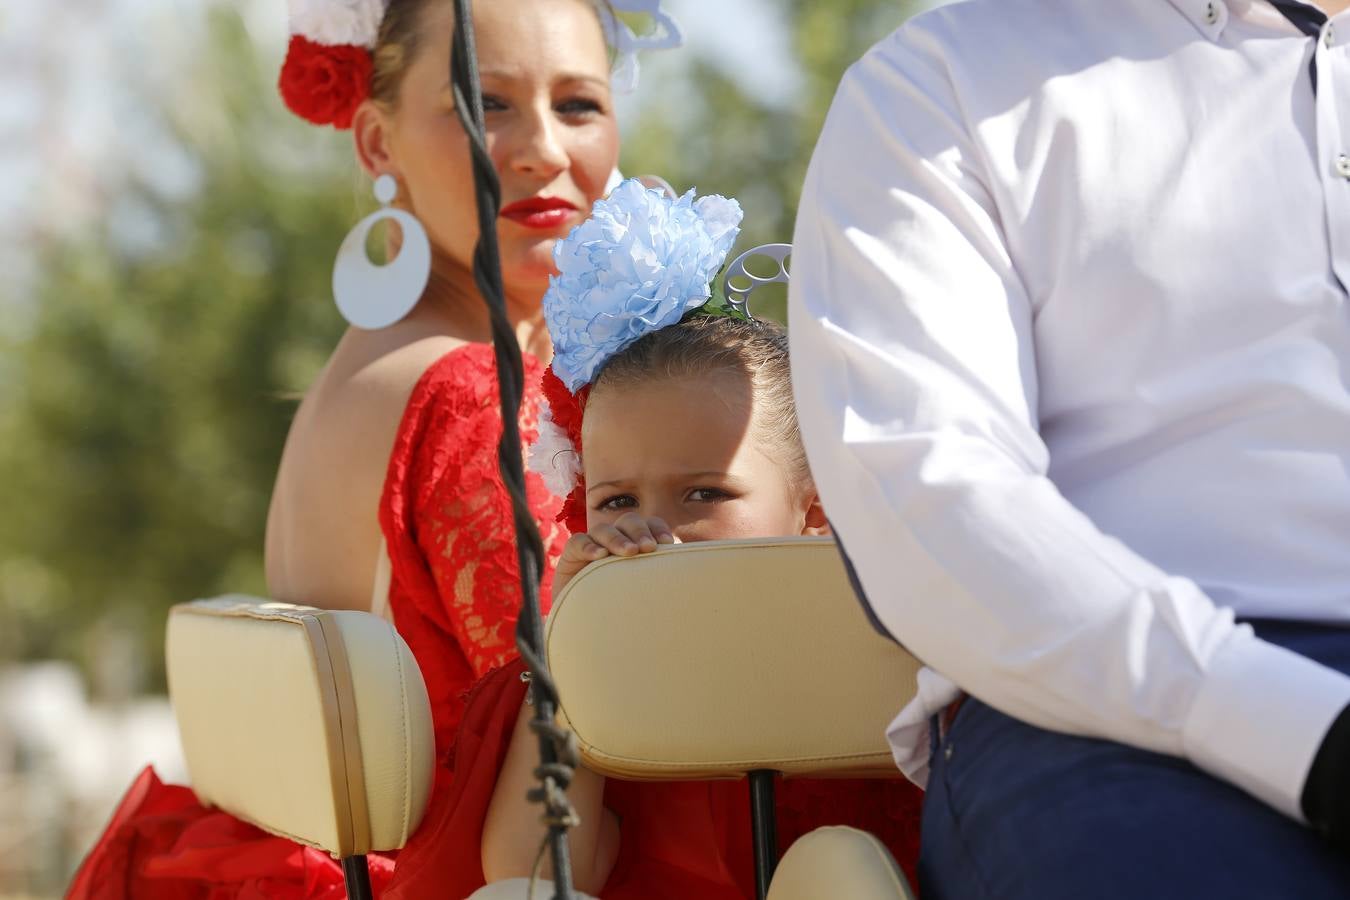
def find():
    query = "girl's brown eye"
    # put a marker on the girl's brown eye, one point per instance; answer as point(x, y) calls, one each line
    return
point(707, 495)
point(622, 501)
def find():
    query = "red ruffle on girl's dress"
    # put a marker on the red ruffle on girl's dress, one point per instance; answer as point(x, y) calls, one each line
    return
point(163, 845)
point(678, 839)
point(325, 84)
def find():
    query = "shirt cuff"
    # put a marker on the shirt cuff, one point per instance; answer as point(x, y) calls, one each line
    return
point(1260, 716)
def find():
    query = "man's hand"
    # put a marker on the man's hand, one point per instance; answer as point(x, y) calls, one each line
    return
point(630, 535)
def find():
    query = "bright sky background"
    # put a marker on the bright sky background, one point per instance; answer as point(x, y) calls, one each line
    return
point(77, 73)
point(82, 79)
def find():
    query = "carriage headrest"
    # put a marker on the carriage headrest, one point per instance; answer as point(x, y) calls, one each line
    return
point(309, 723)
point(714, 659)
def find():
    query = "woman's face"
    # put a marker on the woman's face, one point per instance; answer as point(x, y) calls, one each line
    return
point(689, 452)
point(551, 130)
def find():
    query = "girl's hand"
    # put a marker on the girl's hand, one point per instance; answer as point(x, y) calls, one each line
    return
point(631, 534)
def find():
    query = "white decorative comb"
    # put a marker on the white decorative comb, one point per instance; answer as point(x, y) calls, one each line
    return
point(738, 293)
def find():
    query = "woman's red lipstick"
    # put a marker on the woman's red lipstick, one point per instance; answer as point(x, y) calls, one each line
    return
point(544, 213)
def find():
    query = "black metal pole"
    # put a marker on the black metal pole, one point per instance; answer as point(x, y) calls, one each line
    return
point(356, 876)
point(557, 756)
point(764, 823)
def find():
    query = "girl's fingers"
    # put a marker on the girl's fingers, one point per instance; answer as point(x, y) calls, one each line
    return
point(581, 548)
point(630, 535)
point(614, 540)
point(661, 531)
point(637, 528)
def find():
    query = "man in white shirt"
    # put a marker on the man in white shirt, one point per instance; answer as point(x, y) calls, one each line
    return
point(1071, 349)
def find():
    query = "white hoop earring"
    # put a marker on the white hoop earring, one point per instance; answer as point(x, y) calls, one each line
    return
point(372, 296)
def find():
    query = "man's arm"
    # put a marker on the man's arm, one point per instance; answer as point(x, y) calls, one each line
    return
point(915, 374)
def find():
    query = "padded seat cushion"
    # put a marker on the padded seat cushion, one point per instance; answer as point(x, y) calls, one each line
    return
point(714, 659)
point(838, 862)
point(312, 724)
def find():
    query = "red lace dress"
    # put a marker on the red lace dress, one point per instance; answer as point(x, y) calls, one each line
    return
point(446, 521)
point(679, 840)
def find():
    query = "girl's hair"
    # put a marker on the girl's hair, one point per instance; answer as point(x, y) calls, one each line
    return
point(400, 40)
point(703, 344)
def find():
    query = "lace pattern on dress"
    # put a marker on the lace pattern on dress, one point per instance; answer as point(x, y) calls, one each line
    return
point(447, 519)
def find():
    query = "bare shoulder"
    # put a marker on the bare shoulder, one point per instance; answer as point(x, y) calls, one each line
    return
point(350, 417)
point(371, 375)
point(323, 530)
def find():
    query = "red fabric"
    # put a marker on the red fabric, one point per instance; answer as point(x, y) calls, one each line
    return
point(325, 84)
point(446, 518)
point(565, 406)
point(447, 522)
point(679, 840)
point(566, 409)
point(162, 844)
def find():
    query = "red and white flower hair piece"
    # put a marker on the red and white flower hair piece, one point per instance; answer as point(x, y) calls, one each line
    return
point(328, 65)
point(556, 454)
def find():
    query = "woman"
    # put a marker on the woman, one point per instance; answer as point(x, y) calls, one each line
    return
point(394, 445)
point(403, 419)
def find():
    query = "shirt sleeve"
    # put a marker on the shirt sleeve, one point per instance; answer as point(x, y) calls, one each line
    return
point(914, 367)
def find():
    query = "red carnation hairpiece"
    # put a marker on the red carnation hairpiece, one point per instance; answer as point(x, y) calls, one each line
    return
point(573, 515)
point(565, 406)
point(566, 410)
point(325, 84)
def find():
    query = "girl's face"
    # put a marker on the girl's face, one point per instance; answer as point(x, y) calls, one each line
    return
point(688, 452)
point(551, 131)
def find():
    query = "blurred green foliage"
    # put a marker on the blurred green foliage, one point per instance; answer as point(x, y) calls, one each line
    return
point(143, 414)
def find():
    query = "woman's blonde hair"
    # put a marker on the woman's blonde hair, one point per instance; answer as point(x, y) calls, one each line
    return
point(400, 40)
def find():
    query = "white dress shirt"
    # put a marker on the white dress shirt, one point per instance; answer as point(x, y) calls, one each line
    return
point(1072, 356)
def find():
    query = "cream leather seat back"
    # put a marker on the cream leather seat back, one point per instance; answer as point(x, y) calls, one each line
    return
point(838, 862)
point(733, 658)
point(717, 659)
point(311, 724)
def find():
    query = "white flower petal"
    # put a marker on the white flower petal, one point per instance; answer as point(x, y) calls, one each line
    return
point(553, 457)
point(337, 22)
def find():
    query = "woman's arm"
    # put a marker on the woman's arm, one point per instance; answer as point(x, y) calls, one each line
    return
point(513, 832)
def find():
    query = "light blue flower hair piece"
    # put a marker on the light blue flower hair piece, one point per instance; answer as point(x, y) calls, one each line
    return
point(639, 263)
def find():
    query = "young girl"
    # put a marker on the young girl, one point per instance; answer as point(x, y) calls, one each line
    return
point(669, 421)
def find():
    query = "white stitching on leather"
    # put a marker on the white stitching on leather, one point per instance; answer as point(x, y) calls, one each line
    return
point(407, 740)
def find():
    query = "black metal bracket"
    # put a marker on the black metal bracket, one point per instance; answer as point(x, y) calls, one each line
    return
point(764, 823)
point(356, 875)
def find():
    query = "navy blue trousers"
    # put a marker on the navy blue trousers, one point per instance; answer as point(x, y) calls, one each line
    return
point(1015, 812)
